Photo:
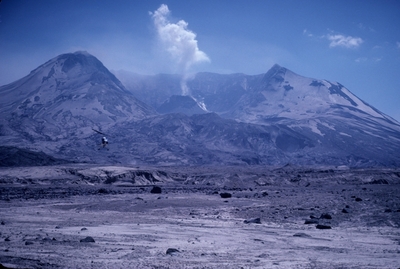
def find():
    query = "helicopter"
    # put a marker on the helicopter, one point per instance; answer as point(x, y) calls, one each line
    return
point(104, 141)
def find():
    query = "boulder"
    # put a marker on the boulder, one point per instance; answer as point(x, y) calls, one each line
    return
point(156, 189)
point(225, 195)
point(88, 239)
point(311, 221)
point(172, 251)
point(304, 235)
point(325, 216)
point(255, 220)
point(323, 227)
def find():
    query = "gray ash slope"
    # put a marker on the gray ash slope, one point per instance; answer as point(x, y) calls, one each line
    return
point(273, 118)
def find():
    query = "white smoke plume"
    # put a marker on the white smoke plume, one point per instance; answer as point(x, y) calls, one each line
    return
point(179, 42)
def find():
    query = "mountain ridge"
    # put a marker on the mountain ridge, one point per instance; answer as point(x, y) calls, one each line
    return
point(274, 118)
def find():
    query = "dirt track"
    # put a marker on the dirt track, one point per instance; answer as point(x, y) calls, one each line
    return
point(42, 224)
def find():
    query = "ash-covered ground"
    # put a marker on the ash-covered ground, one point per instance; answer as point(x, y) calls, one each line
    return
point(82, 216)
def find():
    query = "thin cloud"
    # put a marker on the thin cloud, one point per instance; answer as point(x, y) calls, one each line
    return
point(307, 33)
point(344, 41)
point(365, 59)
point(361, 59)
point(362, 26)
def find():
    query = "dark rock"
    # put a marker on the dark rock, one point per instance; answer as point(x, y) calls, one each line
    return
point(358, 199)
point(2, 223)
point(264, 193)
point(84, 229)
point(304, 235)
point(311, 221)
point(388, 210)
point(4, 267)
point(88, 239)
point(344, 210)
point(27, 243)
point(103, 191)
point(325, 216)
point(156, 189)
point(255, 220)
point(379, 181)
point(323, 227)
point(172, 251)
point(225, 195)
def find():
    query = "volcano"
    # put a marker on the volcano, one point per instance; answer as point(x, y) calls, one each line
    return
point(274, 118)
point(57, 105)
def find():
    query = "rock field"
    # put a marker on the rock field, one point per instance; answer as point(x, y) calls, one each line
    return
point(82, 216)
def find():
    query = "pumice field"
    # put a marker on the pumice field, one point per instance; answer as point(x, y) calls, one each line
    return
point(85, 216)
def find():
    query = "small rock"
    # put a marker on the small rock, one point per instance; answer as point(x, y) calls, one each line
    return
point(225, 195)
point(344, 210)
point(4, 267)
point(103, 191)
point(379, 181)
point(156, 189)
point(88, 239)
point(323, 227)
point(84, 229)
point(255, 220)
point(311, 221)
point(304, 235)
point(358, 199)
point(27, 243)
point(325, 216)
point(172, 251)
point(264, 255)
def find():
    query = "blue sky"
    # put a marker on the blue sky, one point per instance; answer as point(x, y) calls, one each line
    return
point(353, 42)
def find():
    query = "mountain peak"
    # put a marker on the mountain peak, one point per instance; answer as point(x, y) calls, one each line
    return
point(83, 52)
point(83, 60)
point(276, 68)
point(276, 71)
point(71, 91)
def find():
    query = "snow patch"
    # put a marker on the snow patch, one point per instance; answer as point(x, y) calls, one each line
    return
point(361, 105)
point(341, 133)
point(314, 128)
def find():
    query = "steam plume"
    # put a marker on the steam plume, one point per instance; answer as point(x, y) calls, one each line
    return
point(179, 42)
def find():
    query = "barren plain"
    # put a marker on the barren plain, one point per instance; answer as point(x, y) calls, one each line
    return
point(83, 216)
